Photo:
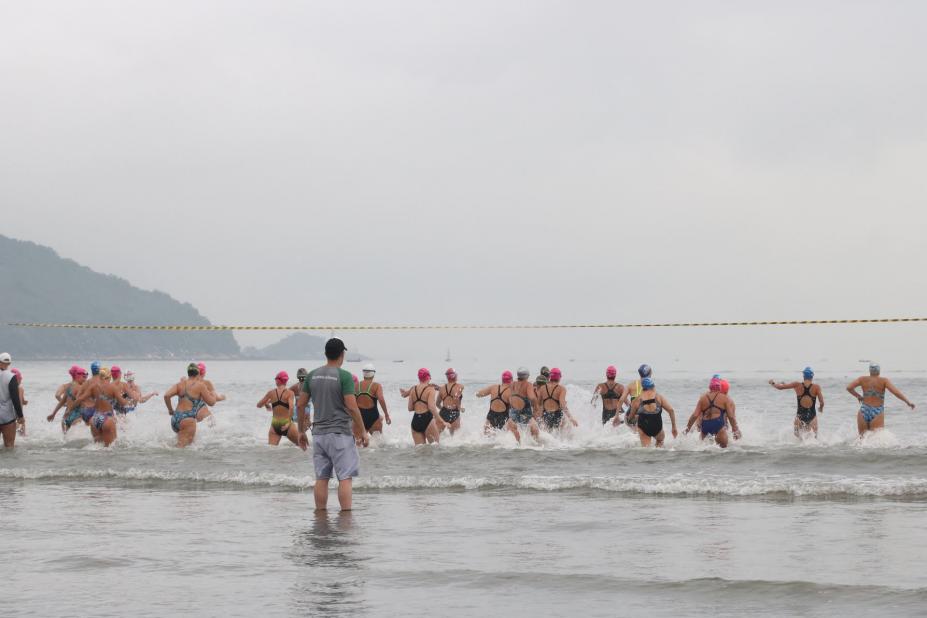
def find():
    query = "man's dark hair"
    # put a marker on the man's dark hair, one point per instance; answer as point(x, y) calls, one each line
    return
point(334, 348)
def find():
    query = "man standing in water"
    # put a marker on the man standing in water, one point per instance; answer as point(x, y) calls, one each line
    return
point(11, 408)
point(810, 401)
point(337, 417)
point(871, 414)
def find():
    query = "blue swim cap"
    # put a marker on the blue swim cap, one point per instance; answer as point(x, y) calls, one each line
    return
point(95, 367)
point(644, 371)
point(808, 373)
point(647, 383)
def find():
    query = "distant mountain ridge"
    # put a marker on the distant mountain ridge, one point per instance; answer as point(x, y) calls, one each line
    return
point(40, 286)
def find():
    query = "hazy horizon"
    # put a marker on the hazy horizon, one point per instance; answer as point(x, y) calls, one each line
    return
point(415, 163)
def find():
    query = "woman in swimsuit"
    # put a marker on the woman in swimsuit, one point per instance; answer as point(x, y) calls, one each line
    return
point(647, 411)
point(202, 411)
point(370, 399)
point(426, 422)
point(612, 394)
point(497, 418)
point(68, 400)
point(280, 401)
point(871, 414)
point(713, 412)
point(450, 396)
point(135, 391)
point(810, 401)
point(108, 396)
point(524, 408)
point(193, 394)
point(552, 397)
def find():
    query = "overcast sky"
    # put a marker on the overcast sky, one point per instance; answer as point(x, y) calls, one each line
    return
point(484, 162)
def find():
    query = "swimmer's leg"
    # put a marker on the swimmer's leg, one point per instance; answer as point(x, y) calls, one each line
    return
point(431, 432)
point(292, 434)
point(660, 438)
point(534, 429)
point(455, 426)
point(272, 438)
point(814, 427)
point(108, 433)
point(877, 423)
point(861, 424)
point(377, 427)
point(418, 438)
point(187, 432)
point(511, 426)
point(645, 439)
point(721, 438)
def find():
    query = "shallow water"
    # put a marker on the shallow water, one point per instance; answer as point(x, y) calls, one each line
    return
point(592, 523)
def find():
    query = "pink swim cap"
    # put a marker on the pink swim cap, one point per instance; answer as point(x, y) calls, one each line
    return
point(611, 371)
point(202, 368)
point(16, 373)
point(555, 374)
point(115, 371)
point(715, 385)
point(423, 374)
point(283, 377)
point(506, 377)
point(73, 370)
point(725, 386)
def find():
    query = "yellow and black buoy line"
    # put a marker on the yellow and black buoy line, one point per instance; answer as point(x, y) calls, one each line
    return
point(410, 327)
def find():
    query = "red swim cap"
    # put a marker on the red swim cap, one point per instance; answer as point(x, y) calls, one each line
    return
point(506, 377)
point(283, 377)
point(725, 386)
point(611, 371)
point(423, 374)
point(555, 374)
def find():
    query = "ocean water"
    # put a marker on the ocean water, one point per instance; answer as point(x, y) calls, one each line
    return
point(588, 525)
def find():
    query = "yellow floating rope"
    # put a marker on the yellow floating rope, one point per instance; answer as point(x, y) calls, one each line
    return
point(384, 327)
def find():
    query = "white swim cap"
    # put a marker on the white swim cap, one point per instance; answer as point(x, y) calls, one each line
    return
point(369, 368)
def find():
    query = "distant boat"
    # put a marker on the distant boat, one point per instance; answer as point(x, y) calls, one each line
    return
point(399, 361)
point(448, 358)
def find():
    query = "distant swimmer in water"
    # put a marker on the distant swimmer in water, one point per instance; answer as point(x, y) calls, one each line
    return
point(108, 396)
point(810, 401)
point(68, 400)
point(370, 399)
point(193, 394)
point(135, 391)
point(631, 392)
point(612, 394)
point(713, 412)
point(203, 412)
point(553, 404)
point(11, 409)
point(497, 419)
point(450, 397)
point(426, 422)
point(280, 402)
point(647, 410)
point(525, 407)
point(871, 414)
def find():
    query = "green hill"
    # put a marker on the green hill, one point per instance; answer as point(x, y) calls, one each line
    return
point(40, 286)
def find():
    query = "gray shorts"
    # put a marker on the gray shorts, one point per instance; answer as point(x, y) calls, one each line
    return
point(335, 452)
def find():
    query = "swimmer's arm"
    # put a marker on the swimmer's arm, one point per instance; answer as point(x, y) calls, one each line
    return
point(404, 392)
point(85, 392)
point(59, 394)
point(265, 400)
point(820, 400)
point(595, 393)
point(382, 401)
point(566, 408)
point(170, 394)
point(897, 393)
point(484, 392)
point(125, 402)
point(145, 398)
point(851, 388)
point(634, 407)
point(302, 421)
point(533, 398)
point(62, 403)
point(732, 417)
point(672, 414)
point(784, 386)
point(411, 404)
point(210, 397)
point(624, 397)
point(357, 427)
point(694, 416)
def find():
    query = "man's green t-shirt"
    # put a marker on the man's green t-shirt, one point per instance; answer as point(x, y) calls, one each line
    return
point(327, 386)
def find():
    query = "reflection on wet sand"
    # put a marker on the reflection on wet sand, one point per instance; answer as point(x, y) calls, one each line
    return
point(330, 574)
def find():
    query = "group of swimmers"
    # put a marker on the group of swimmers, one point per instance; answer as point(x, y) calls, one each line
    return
point(101, 397)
